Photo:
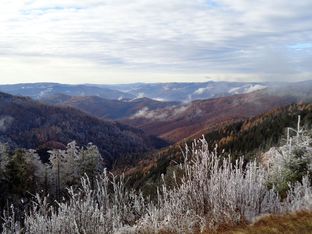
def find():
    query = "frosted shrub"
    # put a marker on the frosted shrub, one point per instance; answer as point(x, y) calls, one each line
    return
point(212, 192)
point(299, 196)
point(291, 162)
point(68, 166)
point(108, 208)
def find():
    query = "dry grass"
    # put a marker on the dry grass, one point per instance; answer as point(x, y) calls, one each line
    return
point(287, 224)
point(300, 223)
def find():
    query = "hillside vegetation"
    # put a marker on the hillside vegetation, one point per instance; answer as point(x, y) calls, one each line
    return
point(249, 138)
point(177, 123)
point(207, 192)
point(106, 108)
point(25, 123)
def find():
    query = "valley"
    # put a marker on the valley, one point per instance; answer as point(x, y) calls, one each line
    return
point(139, 139)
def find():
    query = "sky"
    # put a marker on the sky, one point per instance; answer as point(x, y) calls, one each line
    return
point(122, 41)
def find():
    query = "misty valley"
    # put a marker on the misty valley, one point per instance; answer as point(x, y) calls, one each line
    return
point(73, 162)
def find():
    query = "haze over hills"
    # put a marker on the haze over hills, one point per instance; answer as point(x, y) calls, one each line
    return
point(177, 92)
point(177, 123)
point(186, 92)
point(30, 124)
point(42, 90)
point(106, 108)
point(225, 102)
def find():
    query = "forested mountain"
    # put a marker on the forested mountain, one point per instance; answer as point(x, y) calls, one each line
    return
point(30, 124)
point(177, 123)
point(41, 90)
point(106, 108)
point(243, 138)
point(197, 184)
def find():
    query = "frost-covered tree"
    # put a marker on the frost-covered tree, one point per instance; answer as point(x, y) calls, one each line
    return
point(69, 165)
point(57, 170)
point(291, 162)
point(90, 162)
point(23, 172)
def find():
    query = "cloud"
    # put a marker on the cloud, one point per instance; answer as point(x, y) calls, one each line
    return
point(202, 90)
point(163, 114)
point(147, 40)
point(150, 114)
point(253, 88)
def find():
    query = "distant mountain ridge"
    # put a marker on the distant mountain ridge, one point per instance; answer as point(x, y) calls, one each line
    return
point(30, 124)
point(106, 108)
point(186, 92)
point(176, 92)
point(42, 90)
point(174, 121)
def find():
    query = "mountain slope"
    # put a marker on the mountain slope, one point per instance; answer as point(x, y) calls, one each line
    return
point(27, 123)
point(175, 124)
point(243, 138)
point(106, 108)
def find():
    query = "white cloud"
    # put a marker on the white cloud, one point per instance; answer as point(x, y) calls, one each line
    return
point(147, 40)
point(246, 89)
point(163, 114)
point(253, 88)
point(202, 90)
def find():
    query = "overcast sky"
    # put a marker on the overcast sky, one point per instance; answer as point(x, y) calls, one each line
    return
point(122, 41)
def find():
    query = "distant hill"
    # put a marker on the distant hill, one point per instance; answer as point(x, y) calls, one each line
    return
point(30, 124)
point(186, 92)
point(41, 90)
point(106, 108)
point(176, 92)
point(176, 123)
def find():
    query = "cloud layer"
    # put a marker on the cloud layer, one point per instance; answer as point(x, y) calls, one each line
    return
point(111, 41)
